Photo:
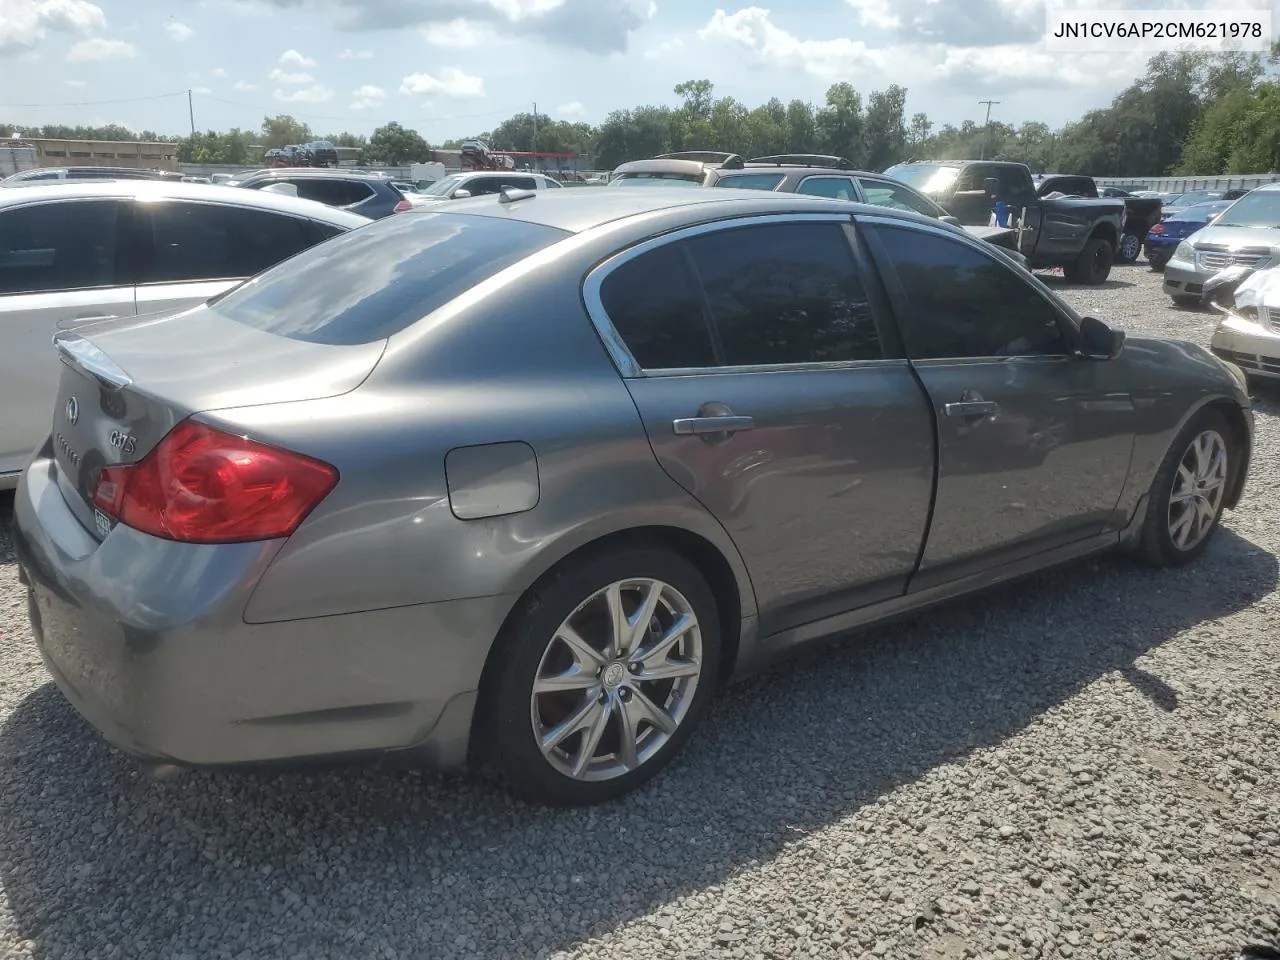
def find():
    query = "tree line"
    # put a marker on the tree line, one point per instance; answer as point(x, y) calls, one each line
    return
point(1188, 114)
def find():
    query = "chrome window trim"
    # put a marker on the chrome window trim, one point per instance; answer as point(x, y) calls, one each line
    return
point(621, 354)
point(987, 250)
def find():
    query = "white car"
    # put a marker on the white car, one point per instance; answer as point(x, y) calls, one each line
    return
point(460, 185)
point(75, 253)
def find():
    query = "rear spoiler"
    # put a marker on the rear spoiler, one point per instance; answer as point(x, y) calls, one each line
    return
point(80, 354)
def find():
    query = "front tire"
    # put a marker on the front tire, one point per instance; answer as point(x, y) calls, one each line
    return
point(606, 669)
point(1185, 503)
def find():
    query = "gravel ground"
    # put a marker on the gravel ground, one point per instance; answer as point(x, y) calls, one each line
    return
point(1084, 764)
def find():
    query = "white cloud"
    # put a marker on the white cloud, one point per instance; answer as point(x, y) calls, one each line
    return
point(291, 79)
point(451, 82)
point(218, 73)
point(292, 58)
point(178, 31)
point(100, 48)
point(572, 109)
point(315, 94)
point(366, 97)
point(75, 84)
point(674, 45)
point(456, 34)
point(243, 86)
point(349, 54)
point(752, 30)
point(24, 23)
point(876, 13)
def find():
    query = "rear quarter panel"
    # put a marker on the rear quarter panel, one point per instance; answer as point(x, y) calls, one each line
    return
point(1067, 224)
point(522, 364)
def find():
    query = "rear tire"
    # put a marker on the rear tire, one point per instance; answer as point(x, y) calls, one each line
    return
point(1093, 266)
point(1129, 249)
point(1185, 503)
point(545, 684)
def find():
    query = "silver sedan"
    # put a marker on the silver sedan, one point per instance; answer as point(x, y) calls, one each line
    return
point(527, 479)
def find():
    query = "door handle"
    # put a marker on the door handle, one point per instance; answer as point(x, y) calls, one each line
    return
point(971, 408)
point(692, 426)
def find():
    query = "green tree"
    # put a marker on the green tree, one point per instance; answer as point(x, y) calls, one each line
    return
point(394, 144)
point(885, 127)
point(840, 123)
point(282, 130)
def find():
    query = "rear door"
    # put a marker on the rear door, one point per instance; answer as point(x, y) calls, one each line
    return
point(770, 391)
point(62, 264)
point(189, 251)
point(1034, 441)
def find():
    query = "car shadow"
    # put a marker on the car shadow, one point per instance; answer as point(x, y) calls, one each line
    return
point(91, 847)
point(1057, 282)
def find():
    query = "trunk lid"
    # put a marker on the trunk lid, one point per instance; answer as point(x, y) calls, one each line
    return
point(125, 386)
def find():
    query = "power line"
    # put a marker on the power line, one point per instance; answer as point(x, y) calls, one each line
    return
point(97, 103)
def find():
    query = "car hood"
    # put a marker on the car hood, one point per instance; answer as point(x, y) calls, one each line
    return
point(1234, 238)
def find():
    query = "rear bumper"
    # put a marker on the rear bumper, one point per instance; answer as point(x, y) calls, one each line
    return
point(146, 639)
point(1253, 348)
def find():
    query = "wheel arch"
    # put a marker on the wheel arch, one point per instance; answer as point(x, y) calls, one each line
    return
point(1106, 231)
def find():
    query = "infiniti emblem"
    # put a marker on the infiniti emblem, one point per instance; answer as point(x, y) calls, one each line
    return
point(73, 411)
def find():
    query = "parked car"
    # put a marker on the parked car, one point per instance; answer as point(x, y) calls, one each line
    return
point(321, 153)
point(1192, 197)
point(88, 173)
point(79, 253)
point(1247, 234)
point(643, 441)
point(1163, 237)
point(1085, 234)
point(366, 194)
point(459, 186)
point(1140, 213)
point(810, 174)
point(1249, 333)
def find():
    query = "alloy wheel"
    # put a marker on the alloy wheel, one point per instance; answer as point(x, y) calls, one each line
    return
point(1130, 246)
point(616, 680)
point(1199, 484)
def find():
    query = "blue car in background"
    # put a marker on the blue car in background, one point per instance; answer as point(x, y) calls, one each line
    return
point(1166, 235)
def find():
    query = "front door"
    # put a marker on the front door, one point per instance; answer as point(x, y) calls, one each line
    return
point(767, 392)
point(60, 266)
point(1034, 442)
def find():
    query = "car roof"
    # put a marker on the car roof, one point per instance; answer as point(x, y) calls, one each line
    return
point(576, 211)
point(11, 195)
point(318, 172)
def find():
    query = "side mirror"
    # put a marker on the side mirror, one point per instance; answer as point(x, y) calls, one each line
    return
point(461, 194)
point(1098, 341)
point(948, 218)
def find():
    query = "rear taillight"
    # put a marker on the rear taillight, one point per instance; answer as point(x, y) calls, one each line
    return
point(1158, 228)
point(404, 206)
point(201, 485)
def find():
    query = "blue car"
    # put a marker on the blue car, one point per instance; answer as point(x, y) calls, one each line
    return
point(1166, 235)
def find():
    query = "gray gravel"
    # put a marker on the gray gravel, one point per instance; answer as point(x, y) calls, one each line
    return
point(1085, 764)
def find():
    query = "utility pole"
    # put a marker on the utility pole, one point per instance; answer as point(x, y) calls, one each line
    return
point(535, 133)
point(191, 112)
point(986, 132)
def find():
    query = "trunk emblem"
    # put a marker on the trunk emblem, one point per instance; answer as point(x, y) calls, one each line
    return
point(123, 442)
point(73, 411)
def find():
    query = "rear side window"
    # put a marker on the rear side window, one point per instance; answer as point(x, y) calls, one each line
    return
point(69, 245)
point(785, 293)
point(833, 188)
point(204, 241)
point(751, 181)
point(375, 281)
point(654, 303)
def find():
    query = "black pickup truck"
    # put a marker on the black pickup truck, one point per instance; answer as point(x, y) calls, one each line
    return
point(1140, 213)
point(1081, 236)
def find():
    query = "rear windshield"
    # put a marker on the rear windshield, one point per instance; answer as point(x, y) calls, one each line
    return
point(377, 280)
point(656, 180)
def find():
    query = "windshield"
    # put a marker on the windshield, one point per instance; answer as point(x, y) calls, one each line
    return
point(1196, 196)
point(1258, 209)
point(1201, 212)
point(925, 177)
point(655, 180)
point(442, 187)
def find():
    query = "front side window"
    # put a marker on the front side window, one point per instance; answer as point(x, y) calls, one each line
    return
point(964, 303)
point(834, 188)
point(333, 193)
point(751, 181)
point(883, 193)
point(67, 245)
point(785, 293)
point(205, 241)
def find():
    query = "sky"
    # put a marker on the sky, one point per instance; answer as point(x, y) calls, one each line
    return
point(450, 68)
